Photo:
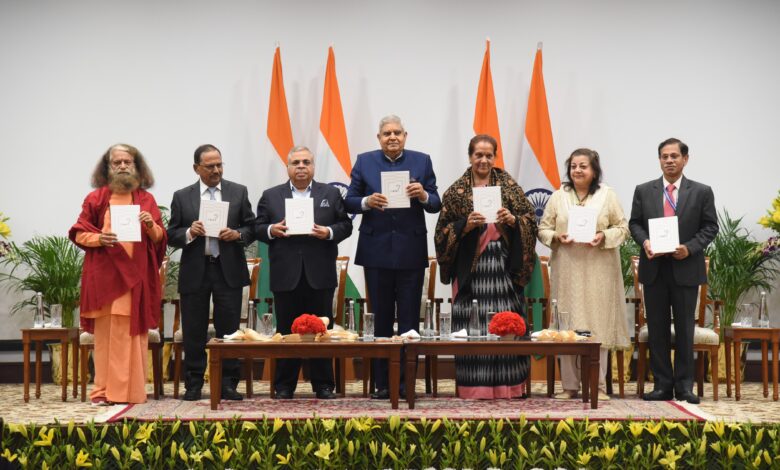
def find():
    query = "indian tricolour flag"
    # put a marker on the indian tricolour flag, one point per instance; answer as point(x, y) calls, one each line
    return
point(334, 164)
point(538, 173)
point(280, 139)
point(485, 113)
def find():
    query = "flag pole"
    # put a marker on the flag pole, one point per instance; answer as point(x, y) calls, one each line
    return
point(539, 46)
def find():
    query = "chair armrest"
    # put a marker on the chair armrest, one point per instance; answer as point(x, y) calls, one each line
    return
point(717, 304)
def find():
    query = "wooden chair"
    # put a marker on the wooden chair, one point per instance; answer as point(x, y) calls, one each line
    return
point(546, 305)
point(544, 262)
point(339, 311)
point(705, 340)
point(429, 293)
point(253, 266)
point(155, 343)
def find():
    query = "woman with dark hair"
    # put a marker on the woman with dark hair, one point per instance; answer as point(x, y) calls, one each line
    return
point(489, 262)
point(586, 277)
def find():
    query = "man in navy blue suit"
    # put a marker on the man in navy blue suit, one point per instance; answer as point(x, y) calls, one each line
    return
point(393, 243)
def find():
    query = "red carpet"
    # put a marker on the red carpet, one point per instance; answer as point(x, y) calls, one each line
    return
point(453, 408)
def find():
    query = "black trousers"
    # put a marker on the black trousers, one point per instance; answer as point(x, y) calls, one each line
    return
point(289, 305)
point(393, 292)
point(195, 322)
point(667, 302)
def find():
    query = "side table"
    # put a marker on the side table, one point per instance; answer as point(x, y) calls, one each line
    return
point(39, 335)
point(736, 335)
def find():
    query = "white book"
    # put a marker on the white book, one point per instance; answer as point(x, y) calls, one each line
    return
point(214, 215)
point(125, 223)
point(664, 234)
point(299, 215)
point(394, 185)
point(487, 201)
point(582, 224)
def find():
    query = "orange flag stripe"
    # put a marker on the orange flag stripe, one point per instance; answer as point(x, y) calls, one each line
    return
point(278, 129)
point(485, 114)
point(332, 117)
point(537, 125)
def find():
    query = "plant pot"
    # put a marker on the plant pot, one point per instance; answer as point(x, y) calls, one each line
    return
point(722, 363)
point(628, 354)
point(56, 363)
point(509, 337)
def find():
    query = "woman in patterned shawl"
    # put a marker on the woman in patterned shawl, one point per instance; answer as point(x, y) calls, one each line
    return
point(489, 262)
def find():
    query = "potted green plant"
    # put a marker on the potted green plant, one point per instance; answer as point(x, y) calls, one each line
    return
point(628, 249)
point(738, 265)
point(47, 264)
point(52, 266)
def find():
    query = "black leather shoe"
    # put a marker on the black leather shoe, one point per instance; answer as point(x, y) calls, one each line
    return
point(326, 394)
point(690, 397)
point(283, 395)
point(383, 394)
point(192, 395)
point(659, 395)
point(231, 394)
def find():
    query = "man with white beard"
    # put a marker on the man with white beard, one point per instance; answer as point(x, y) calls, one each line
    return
point(120, 288)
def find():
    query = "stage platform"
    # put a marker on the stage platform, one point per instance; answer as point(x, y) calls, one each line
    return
point(752, 407)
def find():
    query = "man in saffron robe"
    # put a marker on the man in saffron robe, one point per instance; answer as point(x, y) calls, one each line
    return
point(120, 286)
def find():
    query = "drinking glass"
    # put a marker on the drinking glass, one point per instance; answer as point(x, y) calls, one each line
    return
point(445, 325)
point(267, 327)
point(488, 319)
point(563, 321)
point(55, 312)
point(746, 312)
point(368, 326)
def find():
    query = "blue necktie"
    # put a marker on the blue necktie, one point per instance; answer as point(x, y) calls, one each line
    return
point(213, 241)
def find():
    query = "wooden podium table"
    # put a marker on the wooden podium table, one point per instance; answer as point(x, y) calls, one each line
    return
point(219, 349)
point(766, 335)
point(39, 335)
point(588, 350)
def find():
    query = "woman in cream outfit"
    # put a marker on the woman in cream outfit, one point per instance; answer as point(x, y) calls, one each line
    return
point(586, 278)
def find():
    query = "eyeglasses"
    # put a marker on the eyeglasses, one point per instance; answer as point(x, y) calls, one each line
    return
point(298, 162)
point(120, 163)
point(213, 166)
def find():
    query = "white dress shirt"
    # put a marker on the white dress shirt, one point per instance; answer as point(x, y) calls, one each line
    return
point(206, 195)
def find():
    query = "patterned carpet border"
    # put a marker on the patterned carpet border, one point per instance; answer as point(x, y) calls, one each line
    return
point(430, 408)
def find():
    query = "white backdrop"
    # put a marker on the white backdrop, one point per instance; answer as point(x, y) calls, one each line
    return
point(167, 76)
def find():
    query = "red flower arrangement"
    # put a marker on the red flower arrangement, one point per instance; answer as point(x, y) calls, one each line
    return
point(507, 323)
point(307, 323)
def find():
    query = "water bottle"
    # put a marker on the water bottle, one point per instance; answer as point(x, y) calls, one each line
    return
point(474, 327)
point(428, 329)
point(251, 315)
point(763, 312)
point(555, 321)
point(38, 318)
point(351, 316)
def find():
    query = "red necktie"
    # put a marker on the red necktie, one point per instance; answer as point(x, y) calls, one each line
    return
point(668, 209)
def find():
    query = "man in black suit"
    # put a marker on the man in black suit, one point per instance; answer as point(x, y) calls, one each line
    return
point(303, 267)
point(213, 269)
point(671, 280)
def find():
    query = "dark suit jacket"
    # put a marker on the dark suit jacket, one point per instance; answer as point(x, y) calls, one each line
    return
point(393, 238)
point(697, 225)
point(185, 209)
point(290, 256)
